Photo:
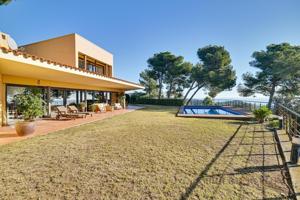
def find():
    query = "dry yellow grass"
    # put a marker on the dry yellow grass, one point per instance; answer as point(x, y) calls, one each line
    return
point(147, 154)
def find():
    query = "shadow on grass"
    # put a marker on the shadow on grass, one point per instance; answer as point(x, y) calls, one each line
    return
point(194, 184)
point(271, 168)
point(247, 167)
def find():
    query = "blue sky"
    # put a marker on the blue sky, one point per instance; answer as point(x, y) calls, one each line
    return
point(133, 30)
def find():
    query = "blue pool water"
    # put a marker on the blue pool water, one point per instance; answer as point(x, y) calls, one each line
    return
point(209, 110)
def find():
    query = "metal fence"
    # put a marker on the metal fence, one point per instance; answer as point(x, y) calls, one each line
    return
point(245, 105)
point(290, 120)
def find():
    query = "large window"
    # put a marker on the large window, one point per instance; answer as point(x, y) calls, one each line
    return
point(11, 105)
point(71, 97)
point(57, 97)
point(81, 63)
point(99, 69)
point(65, 97)
point(93, 65)
point(81, 96)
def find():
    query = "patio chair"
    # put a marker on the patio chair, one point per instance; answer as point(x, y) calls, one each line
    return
point(62, 111)
point(74, 110)
point(118, 106)
point(100, 107)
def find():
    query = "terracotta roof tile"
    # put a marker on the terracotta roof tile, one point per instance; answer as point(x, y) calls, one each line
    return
point(41, 59)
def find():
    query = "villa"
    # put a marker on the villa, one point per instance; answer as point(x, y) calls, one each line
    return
point(65, 70)
point(214, 112)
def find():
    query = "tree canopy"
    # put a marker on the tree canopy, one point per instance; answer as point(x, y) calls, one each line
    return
point(149, 83)
point(278, 72)
point(158, 66)
point(169, 70)
point(214, 72)
point(177, 77)
point(4, 2)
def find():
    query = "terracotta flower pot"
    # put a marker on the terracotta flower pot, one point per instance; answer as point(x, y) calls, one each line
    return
point(25, 127)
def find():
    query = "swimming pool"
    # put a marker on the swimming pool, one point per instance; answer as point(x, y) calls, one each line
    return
point(209, 110)
point(218, 112)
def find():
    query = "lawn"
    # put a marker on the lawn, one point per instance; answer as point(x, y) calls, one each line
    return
point(146, 154)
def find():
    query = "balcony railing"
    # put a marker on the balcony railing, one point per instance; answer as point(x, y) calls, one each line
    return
point(290, 120)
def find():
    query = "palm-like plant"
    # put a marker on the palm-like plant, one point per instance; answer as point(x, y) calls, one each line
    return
point(262, 113)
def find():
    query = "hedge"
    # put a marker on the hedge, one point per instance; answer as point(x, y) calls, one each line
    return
point(164, 102)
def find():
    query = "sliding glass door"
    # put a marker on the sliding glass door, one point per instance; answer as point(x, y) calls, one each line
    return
point(11, 105)
point(56, 97)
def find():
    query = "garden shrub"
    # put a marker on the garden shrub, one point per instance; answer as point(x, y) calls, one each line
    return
point(29, 105)
point(262, 113)
point(207, 101)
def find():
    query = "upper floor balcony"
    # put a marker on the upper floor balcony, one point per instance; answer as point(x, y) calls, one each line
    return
point(75, 51)
point(90, 64)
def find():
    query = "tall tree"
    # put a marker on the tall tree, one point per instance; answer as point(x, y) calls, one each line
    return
point(279, 70)
point(198, 81)
point(177, 77)
point(4, 2)
point(149, 83)
point(214, 73)
point(158, 65)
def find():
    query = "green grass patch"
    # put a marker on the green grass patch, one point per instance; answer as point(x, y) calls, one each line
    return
point(146, 154)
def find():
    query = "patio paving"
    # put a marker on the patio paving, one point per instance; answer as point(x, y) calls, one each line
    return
point(8, 133)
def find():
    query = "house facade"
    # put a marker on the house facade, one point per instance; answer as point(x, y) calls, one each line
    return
point(64, 70)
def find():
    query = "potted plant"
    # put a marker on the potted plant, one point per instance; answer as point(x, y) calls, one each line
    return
point(82, 106)
point(262, 113)
point(30, 106)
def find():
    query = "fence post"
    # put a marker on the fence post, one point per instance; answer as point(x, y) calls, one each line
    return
point(285, 123)
point(294, 157)
point(290, 124)
point(280, 119)
point(295, 126)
